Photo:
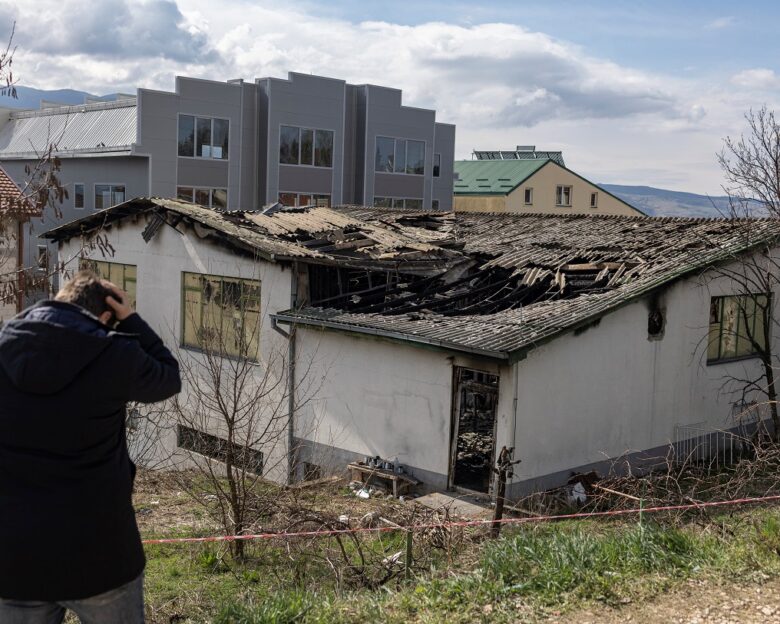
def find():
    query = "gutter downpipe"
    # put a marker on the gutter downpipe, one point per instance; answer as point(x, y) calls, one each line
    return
point(291, 464)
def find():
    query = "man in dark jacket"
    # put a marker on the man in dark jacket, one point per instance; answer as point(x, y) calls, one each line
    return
point(68, 536)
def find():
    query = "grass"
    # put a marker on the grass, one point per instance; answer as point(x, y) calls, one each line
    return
point(528, 573)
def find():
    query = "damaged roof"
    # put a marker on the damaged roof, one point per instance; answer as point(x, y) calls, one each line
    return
point(314, 234)
point(537, 276)
point(495, 285)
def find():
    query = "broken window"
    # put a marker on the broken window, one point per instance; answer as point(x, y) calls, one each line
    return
point(123, 275)
point(311, 472)
point(221, 314)
point(476, 401)
point(737, 325)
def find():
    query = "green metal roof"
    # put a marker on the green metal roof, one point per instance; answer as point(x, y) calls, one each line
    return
point(493, 177)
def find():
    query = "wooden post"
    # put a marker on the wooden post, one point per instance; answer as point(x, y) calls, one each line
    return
point(408, 569)
point(502, 469)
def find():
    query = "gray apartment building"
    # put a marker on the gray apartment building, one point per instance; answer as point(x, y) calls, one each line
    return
point(239, 145)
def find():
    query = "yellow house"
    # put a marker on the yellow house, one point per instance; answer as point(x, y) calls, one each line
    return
point(531, 185)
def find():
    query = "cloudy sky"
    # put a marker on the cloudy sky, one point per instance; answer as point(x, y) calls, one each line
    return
point(633, 92)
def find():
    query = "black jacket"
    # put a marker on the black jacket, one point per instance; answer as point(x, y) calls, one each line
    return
point(67, 525)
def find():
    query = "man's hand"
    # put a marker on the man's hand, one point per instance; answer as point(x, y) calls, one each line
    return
point(119, 302)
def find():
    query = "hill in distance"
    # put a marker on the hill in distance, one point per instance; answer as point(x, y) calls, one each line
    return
point(28, 97)
point(657, 202)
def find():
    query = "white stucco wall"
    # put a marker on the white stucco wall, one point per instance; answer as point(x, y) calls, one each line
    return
point(160, 264)
point(611, 391)
point(375, 397)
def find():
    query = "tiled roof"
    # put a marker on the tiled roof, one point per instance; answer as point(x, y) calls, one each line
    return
point(493, 177)
point(106, 127)
point(10, 198)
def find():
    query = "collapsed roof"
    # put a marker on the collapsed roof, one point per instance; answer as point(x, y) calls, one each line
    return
point(496, 285)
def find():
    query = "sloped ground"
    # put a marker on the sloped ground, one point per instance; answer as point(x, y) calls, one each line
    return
point(697, 602)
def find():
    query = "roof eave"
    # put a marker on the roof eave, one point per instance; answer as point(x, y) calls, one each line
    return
point(291, 319)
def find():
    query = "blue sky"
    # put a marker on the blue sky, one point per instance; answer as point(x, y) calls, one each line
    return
point(632, 92)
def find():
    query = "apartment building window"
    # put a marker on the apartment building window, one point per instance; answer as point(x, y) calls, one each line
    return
point(107, 195)
point(594, 200)
point(434, 204)
point(221, 314)
point(436, 165)
point(203, 137)
point(410, 203)
point(123, 275)
point(528, 196)
point(211, 197)
point(304, 199)
point(217, 448)
point(562, 195)
point(737, 326)
point(78, 196)
point(399, 156)
point(305, 146)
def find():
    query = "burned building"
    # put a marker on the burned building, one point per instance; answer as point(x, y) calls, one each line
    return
point(438, 338)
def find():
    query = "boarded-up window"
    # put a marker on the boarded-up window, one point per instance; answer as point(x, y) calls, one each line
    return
point(737, 326)
point(221, 314)
point(123, 275)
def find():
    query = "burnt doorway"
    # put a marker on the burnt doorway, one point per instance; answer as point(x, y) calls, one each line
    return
point(474, 426)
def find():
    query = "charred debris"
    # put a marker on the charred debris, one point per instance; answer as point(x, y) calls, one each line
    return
point(536, 274)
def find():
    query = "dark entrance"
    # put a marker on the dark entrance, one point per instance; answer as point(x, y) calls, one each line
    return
point(476, 400)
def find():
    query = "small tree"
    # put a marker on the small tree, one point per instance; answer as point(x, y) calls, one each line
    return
point(751, 166)
point(235, 411)
point(41, 193)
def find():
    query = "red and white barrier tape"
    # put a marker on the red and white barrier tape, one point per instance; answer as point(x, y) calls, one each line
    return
point(465, 523)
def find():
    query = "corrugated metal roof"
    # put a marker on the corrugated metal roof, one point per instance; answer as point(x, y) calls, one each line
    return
point(91, 128)
point(493, 177)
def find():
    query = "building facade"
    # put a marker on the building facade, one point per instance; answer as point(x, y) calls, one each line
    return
point(238, 145)
point(528, 181)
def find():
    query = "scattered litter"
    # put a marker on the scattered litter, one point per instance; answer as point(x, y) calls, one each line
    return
point(392, 559)
point(576, 494)
point(363, 493)
point(344, 519)
point(369, 519)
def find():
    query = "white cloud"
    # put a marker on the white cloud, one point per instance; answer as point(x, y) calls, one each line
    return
point(502, 84)
point(759, 78)
point(720, 23)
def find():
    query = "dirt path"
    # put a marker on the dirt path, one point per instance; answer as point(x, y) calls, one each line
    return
point(698, 602)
